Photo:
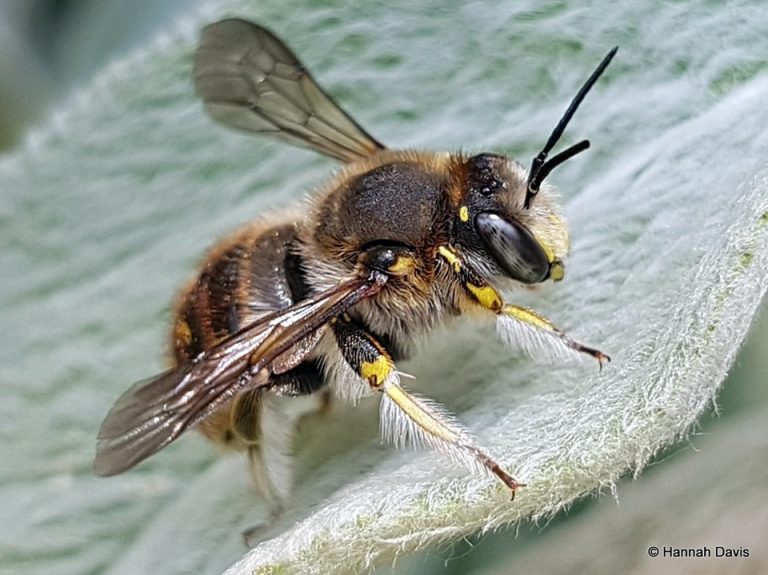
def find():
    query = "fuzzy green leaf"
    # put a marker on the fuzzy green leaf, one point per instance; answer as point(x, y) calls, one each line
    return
point(108, 204)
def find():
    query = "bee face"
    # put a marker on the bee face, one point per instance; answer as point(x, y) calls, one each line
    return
point(501, 234)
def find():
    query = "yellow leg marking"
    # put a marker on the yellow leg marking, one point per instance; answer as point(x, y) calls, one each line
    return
point(532, 318)
point(422, 418)
point(528, 316)
point(450, 257)
point(485, 295)
point(488, 297)
point(402, 266)
point(444, 432)
point(376, 371)
point(464, 214)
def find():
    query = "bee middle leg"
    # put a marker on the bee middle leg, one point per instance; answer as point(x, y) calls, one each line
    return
point(516, 324)
point(405, 418)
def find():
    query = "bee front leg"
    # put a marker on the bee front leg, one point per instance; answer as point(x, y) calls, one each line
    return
point(407, 419)
point(516, 325)
point(524, 327)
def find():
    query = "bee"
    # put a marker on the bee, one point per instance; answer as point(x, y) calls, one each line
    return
point(330, 296)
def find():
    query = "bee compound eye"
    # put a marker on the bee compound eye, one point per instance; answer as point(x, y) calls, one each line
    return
point(513, 248)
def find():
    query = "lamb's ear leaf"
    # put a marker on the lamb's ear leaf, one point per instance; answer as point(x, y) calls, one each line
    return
point(671, 301)
point(111, 199)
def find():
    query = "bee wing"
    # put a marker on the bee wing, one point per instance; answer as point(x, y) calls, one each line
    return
point(153, 413)
point(249, 79)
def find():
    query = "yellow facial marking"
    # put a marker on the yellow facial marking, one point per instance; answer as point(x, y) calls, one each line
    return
point(552, 237)
point(464, 214)
point(557, 271)
point(402, 266)
point(557, 222)
point(547, 250)
point(487, 297)
point(450, 257)
point(528, 316)
point(376, 371)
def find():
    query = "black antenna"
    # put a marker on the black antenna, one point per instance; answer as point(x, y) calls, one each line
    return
point(540, 168)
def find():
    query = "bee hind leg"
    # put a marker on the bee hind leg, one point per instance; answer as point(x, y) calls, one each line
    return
point(405, 418)
point(260, 419)
point(305, 379)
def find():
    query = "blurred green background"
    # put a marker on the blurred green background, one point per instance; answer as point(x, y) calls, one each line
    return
point(48, 48)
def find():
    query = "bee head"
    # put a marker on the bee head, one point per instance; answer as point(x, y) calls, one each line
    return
point(512, 224)
point(497, 231)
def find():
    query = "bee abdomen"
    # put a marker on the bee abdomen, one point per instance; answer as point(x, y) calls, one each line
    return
point(209, 308)
point(244, 277)
point(251, 274)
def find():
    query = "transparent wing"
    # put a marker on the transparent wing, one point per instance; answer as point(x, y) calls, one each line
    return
point(249, 79)
point(153, 413)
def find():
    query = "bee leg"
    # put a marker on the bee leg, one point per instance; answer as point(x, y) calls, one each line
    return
point(326, 403)
point(266, 436)
point(268, 463)
point(266, 433)
point(477, 289)
point(406, 419)
point(305, 379)
point(516, 324)
point(522, 325)
point(260, 472)
point(258, 419)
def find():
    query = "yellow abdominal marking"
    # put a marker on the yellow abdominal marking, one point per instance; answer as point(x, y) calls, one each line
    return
point(528, 316)
point(487, 297)
point(464, 214)
point(183, 333)
point(450, 257)
point(376, 371)
point(419, 415)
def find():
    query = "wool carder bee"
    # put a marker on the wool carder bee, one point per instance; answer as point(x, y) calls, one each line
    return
point(331, 296)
